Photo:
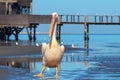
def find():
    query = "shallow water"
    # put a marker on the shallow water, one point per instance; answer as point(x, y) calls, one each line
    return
point(101, 61)
point(73, 67)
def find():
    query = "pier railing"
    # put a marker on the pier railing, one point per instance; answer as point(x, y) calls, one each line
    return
point(91, 19)
point(25, 20)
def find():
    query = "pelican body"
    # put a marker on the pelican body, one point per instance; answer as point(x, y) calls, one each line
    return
point(52, 52)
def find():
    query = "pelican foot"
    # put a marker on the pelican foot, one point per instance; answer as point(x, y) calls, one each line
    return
point(39, 75)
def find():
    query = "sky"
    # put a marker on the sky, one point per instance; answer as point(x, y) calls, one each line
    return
point(82, 7)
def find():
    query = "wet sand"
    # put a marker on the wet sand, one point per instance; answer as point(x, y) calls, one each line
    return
point(4, 74)
point(15, 51)
point(19, 50)
point(26, 50)
point(7, 51)
point(84, 68)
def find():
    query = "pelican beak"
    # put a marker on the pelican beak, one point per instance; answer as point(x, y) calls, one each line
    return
point(53, 23)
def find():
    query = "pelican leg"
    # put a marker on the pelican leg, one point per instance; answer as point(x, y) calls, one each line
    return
point(56, 68)
point(41, 73)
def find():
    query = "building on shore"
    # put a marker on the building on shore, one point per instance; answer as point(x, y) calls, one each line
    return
point(10, 8)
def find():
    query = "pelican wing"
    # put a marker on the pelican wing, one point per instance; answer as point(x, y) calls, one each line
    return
point(62, 48)
point(44, 47)
point(53, 56)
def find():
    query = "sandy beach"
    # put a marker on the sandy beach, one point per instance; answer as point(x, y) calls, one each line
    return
point(19, 50)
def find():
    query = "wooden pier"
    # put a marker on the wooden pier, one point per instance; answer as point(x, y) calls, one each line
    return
point(18, 22)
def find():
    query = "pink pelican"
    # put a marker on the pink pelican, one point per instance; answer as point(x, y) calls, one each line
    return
point(52, 52)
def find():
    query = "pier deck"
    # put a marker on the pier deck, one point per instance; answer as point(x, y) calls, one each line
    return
point(25, 20)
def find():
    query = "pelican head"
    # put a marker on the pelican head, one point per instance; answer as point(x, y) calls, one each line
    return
point(52, 31)
point(54, 20)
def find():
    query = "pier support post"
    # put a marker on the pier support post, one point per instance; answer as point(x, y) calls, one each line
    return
point(86, 46)
point(86, 29)
point(59, 33)
point(34, 35)
point(86, 36)
point(30, 36)
point(86, 40)
point(3, 34)
point(0, 34)
point(86, 32)
point(16, 33)
point(8, 33)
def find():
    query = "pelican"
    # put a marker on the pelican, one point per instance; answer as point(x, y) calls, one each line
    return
point(52, 52)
